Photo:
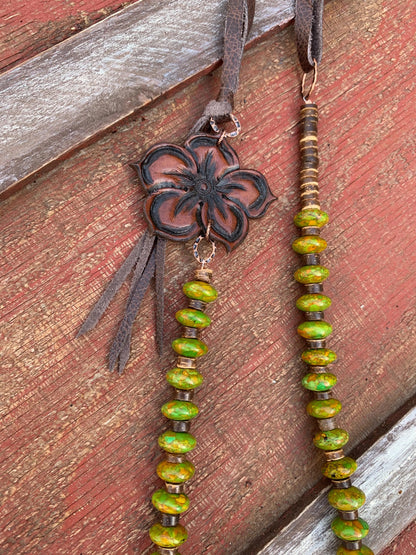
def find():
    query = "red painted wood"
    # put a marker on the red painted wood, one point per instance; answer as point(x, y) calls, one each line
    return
point(78, 445)
point(27, 28)
point(404, 544)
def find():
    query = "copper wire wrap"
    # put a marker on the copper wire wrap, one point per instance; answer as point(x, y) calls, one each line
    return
point(309, 157)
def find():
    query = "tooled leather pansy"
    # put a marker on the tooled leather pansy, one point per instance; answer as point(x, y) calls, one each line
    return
point(199, 184)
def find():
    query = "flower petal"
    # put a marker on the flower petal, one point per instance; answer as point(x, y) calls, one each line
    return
point(229, 223)
point(248, 189)
point(165, 166)
point(172, 213)
point(221, 157)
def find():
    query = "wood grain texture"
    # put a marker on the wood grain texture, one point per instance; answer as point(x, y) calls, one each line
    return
point(28, 28)
point(57, 101)
point(78, 445)
point(405, 543)
point(390, 490)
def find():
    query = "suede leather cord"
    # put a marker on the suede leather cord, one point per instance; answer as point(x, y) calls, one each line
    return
point(308, 31)
point(238, 21)
point(148, 259)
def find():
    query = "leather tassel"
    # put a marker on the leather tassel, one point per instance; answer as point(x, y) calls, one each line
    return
point(148, 260)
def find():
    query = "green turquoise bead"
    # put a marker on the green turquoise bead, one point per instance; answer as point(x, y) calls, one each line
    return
point(189, 347)
point(177, 442)
point(200, 291)
point(170, 503)
point(346, 499)
point(311, 217)
point(179, 410)
point(350, 530)
point(363, 550)
point(331, 439)
point(193, 318)
point(311, 274)
point(323, 408)
point(339, 469)
point(313, 302)
point(184, 378)
point(309, 244)
point(168, 536)
point(319, 357)
point(175, 473)
point(319, 382)
point(318, 329)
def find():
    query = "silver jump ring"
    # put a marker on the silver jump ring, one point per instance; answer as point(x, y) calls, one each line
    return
point(234, 133)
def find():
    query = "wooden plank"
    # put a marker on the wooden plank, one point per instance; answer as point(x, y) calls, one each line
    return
point(28, 28)
point(60, 99)
point(78, 446)
point(383, 473)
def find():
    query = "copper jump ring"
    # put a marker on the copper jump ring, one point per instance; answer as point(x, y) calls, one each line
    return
point(306, 95)
point(201, 260)
point(224, 134)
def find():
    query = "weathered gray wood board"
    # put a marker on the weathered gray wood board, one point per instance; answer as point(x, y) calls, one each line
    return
point(61, 98)
point(385, 473)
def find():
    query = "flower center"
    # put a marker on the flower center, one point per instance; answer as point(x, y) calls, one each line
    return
point(203, 187)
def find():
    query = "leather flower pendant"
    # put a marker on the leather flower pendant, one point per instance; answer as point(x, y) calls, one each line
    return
point(199, 184)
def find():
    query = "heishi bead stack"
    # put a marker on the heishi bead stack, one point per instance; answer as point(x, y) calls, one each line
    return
point(175, 470)
point(344, 497)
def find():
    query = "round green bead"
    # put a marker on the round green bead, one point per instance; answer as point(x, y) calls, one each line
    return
point(184, 378)
point(331, 439)
point(175, 473)
point(179, 410)
point(189, 347)
point(319, 382)
point(363, 550)
point(350, 530)
point(323, 408)
point(318, 329)
point(177, 442)
point(193, 318)
point(311, 217)
point(168, 536)
point(339, 469)
point(346, 499)
point(319, 357)
point(309, 244)
point(170, 503)
point(200, 291)
point(313, 302)
point(311, 274)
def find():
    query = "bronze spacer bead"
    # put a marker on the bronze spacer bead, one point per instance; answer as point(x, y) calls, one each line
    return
point(185, 362)
point(314, 287)
point(334, 455)
point(310, 231)
point(184, 395)
point(190, 332)
point(314, 316)
point(310, 204)
point(311, 259)
point(317, 369)
point(203, 274)
point(181, 425)
point(174, 488)
point(352, 546)
point(174, 458)
point(166, 550)
point(348, 515)
point(198, 305)
point(322, 395)
point(316, 343)
point(341, 484)
point(169, 520)
point(326, 424)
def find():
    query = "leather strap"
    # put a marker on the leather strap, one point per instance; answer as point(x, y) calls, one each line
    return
point(238, 21)
point(308, 31)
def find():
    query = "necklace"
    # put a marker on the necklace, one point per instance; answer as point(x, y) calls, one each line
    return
point(199, 190)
